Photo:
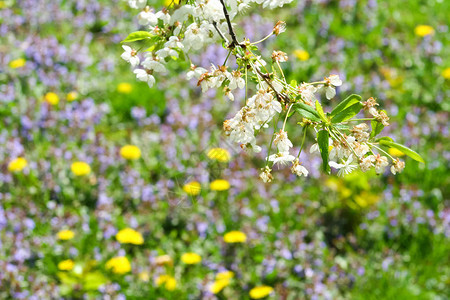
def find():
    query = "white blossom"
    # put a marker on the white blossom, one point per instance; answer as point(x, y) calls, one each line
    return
point(360, 132)
point(212, 10)
point(195, 72)
point(307, 91)
point(130, 55)
point(282, 158)
point(163, 16)
point(152, 63)
point(397, 166)
point(137, 3)
point(282, 141)
point(381, 162)
point(298, 169)
point(330, 85)
point(166, 52)
point(236, 80)
point(345, 168)
point(228, 93)
point(271, 4)
point(182, 14)
point(367, 163)
point(314, 148)
point(360, 149)
point(144, 75)
point(147, 17)
point(266, 175)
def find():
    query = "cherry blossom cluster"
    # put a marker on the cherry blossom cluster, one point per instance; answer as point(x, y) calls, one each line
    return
point(181, 28)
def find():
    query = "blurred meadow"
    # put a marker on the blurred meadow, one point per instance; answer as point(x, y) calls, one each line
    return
point(112, 190)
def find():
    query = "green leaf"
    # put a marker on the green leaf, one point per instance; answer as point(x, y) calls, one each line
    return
point(347, 113)
point(347, 102)
point(306, 111)
point(322, 140)
point(137, 36)
point(411, 153)
point(377, 127)
point(384, 138)
point(151, 48)
point(320, 111)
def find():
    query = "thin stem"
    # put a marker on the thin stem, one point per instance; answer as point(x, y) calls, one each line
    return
point(220, 32)
point(303, 141)
point(264, 77)
point(257, 75)
point(263, 39)
point(226, 59)
point(382, 151)
point(287, 115)
point(362, 119)
point(257, 59)
point(317, 82)
point(288, 86)
point(348, 144)
point(281, 70)
point(271, 140)
point(246, 85)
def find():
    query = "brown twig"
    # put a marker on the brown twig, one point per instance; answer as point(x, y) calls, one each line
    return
point(234, 42)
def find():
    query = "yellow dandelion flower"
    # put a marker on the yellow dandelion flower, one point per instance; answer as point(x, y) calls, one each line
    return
point(130, 152)
point(17, 63)
point(119, 265)
point(129, 236)
point(17, 165)
point(80, 168)
point(72, 96)
point(224, 275)
point(235, 237)
point(219, 154)
point(169, 282)
point(170, 3)
point(51, 98)
point(446, 73)
point(219, 185)
point(218, 285)
point(191, 258)
point(66, 265)
point(163, 260)
point(423, 30)
point(301, 54)
point(395, 152)
point(65, 235)
point(144, 276)
point(124, 88)
point(192, 188)
point(260, 291)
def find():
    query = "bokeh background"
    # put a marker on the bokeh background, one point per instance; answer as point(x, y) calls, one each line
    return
point(66, 96)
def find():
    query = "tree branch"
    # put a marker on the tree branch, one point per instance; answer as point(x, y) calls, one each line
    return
point(234, 41)
point(220, 32)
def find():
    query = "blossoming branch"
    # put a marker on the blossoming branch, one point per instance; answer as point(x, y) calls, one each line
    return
point(344, 141)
